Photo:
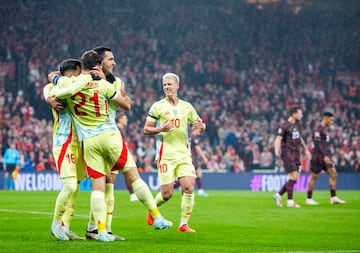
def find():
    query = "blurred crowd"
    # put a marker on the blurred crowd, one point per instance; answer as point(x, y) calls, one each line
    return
point(240, 66)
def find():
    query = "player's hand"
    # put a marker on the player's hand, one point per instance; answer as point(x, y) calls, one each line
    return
point(307, 154)
point(199, 125)
point(168, 126)
point(98, 72)
point(55, 103)
point(52, 75)
point(327, 160)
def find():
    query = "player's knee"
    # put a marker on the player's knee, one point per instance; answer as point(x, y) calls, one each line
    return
point(333, 176)
point(314, 176)
point(167, 194)
point(110, 179)
point(188, 189)
point(71, 188)
point(70, 185)
point(132, 175)
point(332, 172)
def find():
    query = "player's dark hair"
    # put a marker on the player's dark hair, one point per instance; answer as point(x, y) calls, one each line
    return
point(294, 109)
point(328, 114)
point(69, 64)
point(90, 59)
point(101, 50)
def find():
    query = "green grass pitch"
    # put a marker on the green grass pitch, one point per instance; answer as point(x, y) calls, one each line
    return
point(226, 221)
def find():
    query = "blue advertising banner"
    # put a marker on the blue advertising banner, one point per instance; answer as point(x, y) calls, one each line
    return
point(257, 182)
point(49, 181)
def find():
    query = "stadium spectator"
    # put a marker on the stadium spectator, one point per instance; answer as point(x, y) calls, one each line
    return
point(266, 77)
point(266, 159)
point(11, 161)
point(28, 166)
point(239, 165)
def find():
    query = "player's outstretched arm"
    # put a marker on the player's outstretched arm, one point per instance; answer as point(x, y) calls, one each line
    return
point(65, 92)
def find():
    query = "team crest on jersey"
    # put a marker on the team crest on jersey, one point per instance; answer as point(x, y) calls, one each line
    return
point(175, 112)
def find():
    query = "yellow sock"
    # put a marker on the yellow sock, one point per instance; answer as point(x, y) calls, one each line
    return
point(159, 199)
point(98, 207)
point(70, 209)
point(69, 186)
point(109, 199)
point(187, 204)
point(143, 193)
point(91, 223)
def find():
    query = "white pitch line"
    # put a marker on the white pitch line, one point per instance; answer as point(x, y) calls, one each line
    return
point(24, 211)
point(322, 251)
point(36, 212)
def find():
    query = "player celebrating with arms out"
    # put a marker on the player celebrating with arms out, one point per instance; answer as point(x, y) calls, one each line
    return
point(169, 119)
point(321, 160)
